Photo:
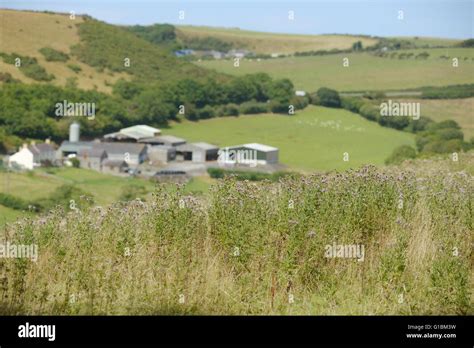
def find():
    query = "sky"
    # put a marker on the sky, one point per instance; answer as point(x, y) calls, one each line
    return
point(429, 18)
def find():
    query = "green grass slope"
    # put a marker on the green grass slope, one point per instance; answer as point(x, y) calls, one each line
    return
point(365, 71)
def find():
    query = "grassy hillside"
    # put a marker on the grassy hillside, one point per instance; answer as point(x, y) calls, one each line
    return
point(25, 33)
point(267, 43)
point(312, 139)
point(459, 110)
point(96, 51)
point(244, 249)
point(365, 71)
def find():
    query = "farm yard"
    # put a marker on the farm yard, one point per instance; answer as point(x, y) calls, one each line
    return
point(365, 71)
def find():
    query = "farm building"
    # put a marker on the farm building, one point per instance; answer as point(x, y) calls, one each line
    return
point(92, 158)
point(249, 153)
point(114, 166)
point(161, 153)
point(30, 156)
point(133, 154)
point(213, 54)
point(240, 53)
point(73, 148)
point(183, 53)
point(168, 140)
point(133, 134)
point(198, 152)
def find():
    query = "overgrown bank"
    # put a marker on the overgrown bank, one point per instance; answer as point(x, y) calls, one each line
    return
point(251, 247)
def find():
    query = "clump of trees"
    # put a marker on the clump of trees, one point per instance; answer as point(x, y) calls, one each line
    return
point(326, 97)
point(29, 111)
point(207, 43)
point(156, 33)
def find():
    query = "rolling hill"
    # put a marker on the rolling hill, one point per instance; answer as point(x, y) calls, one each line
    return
point(365, 71)
point(268, 43)
point(95, 50)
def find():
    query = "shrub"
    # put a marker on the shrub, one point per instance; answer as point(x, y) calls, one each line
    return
point(279, 106)
point(13, 202)
point(352, 104)
point(370, 112)
point(74, 67)
point(299, 102)
point(253, 107)
point(206, 112)
point(419, 125)
point(229, 110)
point(328, 97)
point(75, 162)
point(394, 122)
point(131, 192)
point(400, 154)
point(53, 55)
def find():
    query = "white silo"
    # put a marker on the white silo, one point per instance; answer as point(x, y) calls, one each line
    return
point(74, 130)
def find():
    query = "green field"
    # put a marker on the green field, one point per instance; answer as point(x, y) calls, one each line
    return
point(105, 189)
point(312, 139)
point(365, 71)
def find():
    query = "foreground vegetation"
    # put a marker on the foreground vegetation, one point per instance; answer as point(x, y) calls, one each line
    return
point(258, 248)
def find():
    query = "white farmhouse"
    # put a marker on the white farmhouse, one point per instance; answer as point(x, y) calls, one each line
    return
point(31, 156)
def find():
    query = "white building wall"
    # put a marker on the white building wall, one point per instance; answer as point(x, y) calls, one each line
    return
point(23, 158)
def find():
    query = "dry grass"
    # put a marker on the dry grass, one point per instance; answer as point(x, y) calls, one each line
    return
point(459, 110)
point(268, 43)
point(26, 32)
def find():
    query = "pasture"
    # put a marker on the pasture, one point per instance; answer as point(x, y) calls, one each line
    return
point(365, 71)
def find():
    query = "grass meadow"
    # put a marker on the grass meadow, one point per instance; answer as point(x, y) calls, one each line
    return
point(314, 139)
point(365, 71)
point(258, 248)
